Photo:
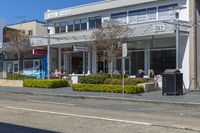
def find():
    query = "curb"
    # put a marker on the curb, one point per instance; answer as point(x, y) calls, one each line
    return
point(108, 98)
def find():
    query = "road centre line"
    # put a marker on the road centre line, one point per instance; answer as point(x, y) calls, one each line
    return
point(56, 103)
point(77, 115)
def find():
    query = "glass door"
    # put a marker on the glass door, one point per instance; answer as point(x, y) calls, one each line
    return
point(15, 67)
point(37, 68)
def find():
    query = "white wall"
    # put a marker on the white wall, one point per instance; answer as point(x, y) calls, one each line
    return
point(184, 14)
point(184, 59)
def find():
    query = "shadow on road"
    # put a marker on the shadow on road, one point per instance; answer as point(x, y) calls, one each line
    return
point(10, 128)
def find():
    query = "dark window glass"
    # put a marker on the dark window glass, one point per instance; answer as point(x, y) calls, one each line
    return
point(95, 22)
point(162, 60)
point(98, 22)
point(63, 27)
point(57, 28)
point(70, 26)
point(118, 15)
point(77, 25)
point(137, 61)
point(92, 23)
point(83, 24)
point(30, 32)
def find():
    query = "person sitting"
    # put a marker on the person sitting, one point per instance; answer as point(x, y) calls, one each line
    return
point(140, 74)
point(57, 73)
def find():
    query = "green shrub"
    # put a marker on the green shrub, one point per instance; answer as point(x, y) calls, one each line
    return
point(94, 79)
point(19, 77)
point(127, 81)
point(99, 78)
point(39, 83)
point(129, 89)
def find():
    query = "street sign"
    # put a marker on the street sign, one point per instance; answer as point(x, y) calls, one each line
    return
point(124, 50)
point(80, 49)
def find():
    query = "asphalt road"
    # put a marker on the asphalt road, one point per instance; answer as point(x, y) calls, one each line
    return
point(21, 113)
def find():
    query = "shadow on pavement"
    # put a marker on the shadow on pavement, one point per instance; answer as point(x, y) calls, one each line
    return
point(11, 128)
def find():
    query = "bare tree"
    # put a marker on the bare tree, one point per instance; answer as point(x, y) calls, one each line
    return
point(16, 42)
point(109, 38)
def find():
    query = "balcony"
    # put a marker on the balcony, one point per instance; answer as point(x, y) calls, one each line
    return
point(157, 28)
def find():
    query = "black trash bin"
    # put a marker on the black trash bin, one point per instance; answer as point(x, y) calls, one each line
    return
point(172, 83)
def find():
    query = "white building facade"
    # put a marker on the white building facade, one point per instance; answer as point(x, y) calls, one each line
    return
point(152, 46)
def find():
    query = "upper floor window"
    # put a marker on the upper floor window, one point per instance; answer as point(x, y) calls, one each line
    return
point(122, 16)
point(84, 24)
point(70, 26)
point(57, 28)
point(151, 14)
point(138, 16)
point(63, 27)
point(30, 32)
point(95, 22)
point(77, 25)
point(166, 12)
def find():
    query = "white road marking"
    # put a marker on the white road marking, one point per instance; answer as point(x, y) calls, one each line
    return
point(36, 101)
point(82, 116)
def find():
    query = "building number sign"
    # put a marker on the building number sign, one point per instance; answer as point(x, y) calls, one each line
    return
point(158, 28)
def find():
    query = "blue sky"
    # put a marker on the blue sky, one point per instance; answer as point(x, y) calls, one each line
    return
point(11, 10)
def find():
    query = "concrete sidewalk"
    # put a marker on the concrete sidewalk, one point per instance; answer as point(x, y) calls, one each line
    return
point(191, 98)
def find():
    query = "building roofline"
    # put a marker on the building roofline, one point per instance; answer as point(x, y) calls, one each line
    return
point(78, 6)
point(98, 4)
point(35, 20)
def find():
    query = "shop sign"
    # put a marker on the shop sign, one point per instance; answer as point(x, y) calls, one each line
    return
point(62, 13)
point(158, 28)
point(39, 51)
point(80, 49)
point(67, 49)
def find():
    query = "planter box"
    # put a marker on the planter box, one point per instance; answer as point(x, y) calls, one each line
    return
point(149, 87)
point(11, 83)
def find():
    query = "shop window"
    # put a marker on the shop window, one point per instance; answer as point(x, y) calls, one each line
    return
point(137, 62)
point(161, 60)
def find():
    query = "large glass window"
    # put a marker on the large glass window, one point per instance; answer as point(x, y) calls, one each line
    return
point(138, 16)
point(166, 12)
point(151, 14)
point(122, 17)
point(63, 27)
point(160, 60)
point(70, 26)
point(77, 25)
point(137, 62)
point(95, 22)
point(83, 24)
point(57, 28)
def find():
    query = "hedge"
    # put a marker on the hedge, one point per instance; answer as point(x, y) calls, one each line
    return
point(127, 81)
point(39, 83)
point(99, 78)
point(19, 77)
point(129, 89)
